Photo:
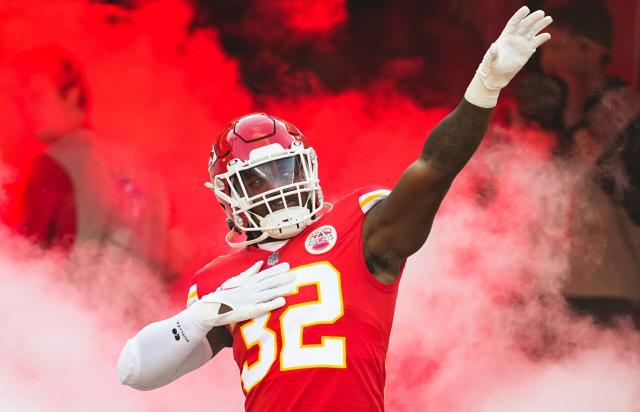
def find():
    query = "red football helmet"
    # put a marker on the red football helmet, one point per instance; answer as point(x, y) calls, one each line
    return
point(265, 176)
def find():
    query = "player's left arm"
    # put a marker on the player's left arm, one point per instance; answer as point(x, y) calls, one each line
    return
point(398, 226)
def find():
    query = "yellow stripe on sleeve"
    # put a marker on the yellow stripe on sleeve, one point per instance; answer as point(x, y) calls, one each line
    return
point(368, 200)
point(193, 295)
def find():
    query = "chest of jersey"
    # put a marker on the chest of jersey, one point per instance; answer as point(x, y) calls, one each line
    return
point(334, 328)
point(339, 316)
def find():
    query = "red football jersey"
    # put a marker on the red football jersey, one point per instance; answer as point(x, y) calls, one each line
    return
point(325, 349)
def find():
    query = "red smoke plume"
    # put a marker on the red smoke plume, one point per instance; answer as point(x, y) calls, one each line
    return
point(480, 324)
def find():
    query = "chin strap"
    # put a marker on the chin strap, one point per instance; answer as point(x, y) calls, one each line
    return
point(245, 243)
point(264, 236)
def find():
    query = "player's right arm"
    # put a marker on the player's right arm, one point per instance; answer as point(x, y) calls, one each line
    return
point(163, 351)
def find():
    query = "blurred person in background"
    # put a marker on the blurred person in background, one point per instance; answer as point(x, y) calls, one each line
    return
point(600, 134)
point(539, 102)
point(82, 195)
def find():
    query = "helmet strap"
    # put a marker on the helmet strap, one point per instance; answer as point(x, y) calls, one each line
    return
point(245, 243)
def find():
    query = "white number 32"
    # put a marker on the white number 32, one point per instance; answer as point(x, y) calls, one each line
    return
point(329, 353)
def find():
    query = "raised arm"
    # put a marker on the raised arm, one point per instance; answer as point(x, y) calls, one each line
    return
point(397, 227)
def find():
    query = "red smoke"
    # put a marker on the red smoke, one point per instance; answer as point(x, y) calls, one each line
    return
point(480, 324)
point(156, 90)
point(327, 14)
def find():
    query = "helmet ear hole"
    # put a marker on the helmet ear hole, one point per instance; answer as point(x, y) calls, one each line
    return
point(230, 224)
point(218, 183)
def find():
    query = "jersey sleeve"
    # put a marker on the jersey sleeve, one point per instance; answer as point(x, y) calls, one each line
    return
point(198, 277)
point(370, 196)
point(212, 275)
point(192, 295)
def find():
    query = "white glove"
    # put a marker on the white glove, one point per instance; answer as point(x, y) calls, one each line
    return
point(165, 350)
point(507, 55)
point(248, 294)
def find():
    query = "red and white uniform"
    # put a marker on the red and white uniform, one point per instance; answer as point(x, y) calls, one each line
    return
point(325, 349)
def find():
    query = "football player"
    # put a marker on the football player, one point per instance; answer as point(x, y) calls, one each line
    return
point(311, 331)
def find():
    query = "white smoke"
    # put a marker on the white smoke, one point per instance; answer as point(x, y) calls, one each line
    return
point(61, 340)
point(480, 323)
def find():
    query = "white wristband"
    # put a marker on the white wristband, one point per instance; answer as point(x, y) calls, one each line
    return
point(480, 95)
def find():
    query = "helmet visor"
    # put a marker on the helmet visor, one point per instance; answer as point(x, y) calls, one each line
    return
point(270, 175)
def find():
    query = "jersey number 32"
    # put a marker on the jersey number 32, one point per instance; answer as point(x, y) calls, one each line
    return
point(327, 309)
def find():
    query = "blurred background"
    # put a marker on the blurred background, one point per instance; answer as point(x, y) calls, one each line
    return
point(149, 84)
point(108, 110)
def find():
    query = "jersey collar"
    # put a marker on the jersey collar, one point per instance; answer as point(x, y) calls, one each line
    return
point(272, 246)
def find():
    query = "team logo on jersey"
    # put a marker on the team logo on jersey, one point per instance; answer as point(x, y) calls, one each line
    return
point(321, 240)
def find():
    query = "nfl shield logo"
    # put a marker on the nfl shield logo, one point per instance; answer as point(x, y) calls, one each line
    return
point(273, 259)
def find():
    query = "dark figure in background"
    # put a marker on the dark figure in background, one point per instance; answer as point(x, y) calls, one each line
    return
point(540, 100)
point(80, 191)
point(601, 133)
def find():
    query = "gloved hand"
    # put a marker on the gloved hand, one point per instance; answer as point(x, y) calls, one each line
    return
point(507, 55)
point(249, 294)
point(167, 349)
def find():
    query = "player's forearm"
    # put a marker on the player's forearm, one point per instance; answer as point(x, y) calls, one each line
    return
point(454, 140)
point(162, 352)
